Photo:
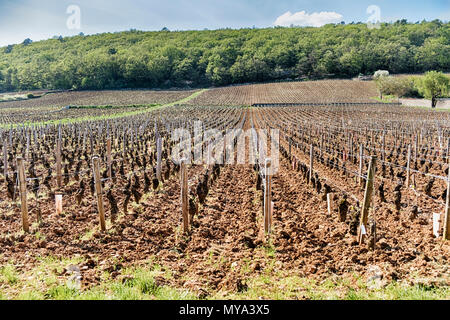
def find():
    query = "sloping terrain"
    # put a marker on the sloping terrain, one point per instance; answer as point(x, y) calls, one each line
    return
point(325, 91)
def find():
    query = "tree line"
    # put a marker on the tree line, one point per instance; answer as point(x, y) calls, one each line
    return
point(221, 57)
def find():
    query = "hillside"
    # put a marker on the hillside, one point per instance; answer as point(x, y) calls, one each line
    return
point(279, 92)
point(290, 92)
point(99, 98)
point(221, 57)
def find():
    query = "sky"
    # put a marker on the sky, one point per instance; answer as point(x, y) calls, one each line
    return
point(43, 19)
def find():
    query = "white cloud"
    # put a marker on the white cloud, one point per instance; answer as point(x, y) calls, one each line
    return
point(315, 19)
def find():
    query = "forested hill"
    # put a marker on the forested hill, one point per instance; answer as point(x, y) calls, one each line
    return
point(221, 57)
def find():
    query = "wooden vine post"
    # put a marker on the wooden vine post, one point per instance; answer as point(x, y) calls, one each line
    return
point(58, 160)
point(329, 203)
point(108, 156)
point(27, 152)
point(99, 192)
point(58, 203)
point(290, 149)
point(361, 162)
point(5, 158)
point(321, 144)
point(184, 196)
point(367, 200)
point(91, 140)
point(268, 196)
point(448, 148)
point(416, 147)
point(124, 147)
point(84, 139)
point(408, 167)
point(311, 162)
point(158, 157)
point(23, 194)
point(446, 231)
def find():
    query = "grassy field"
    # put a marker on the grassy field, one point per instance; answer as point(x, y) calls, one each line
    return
point(13, 97)
point(386, 99)
point(146, 282)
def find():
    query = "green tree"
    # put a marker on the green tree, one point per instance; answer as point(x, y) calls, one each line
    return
point(433, 86)
point(27, 42)
point(397, 86)
point(434, 54)
point(221, 57)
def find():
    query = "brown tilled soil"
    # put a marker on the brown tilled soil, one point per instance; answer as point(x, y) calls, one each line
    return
point(226, 244)
point(323, 91)
point(106, 97)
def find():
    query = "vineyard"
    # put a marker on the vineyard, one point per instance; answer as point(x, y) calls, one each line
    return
point(95, 98)
point(358, 187)
point(325, 91)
